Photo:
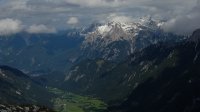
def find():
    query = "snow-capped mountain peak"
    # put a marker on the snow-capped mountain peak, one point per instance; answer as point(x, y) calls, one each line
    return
point(116, 39)
point(104, 29)
point(126, 28)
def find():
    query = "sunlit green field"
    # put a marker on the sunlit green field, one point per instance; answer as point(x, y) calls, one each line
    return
point(69, 102)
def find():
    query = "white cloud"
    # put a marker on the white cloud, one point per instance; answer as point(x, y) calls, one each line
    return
point(10, 26)
point(119, 18)
point(41, 29)
point(184, 23)
point(73, 21)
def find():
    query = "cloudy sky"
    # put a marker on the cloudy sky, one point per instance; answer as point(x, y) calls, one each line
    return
point(48, 16)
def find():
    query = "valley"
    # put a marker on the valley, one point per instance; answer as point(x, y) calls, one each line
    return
point(14, 95)
point(69, 102)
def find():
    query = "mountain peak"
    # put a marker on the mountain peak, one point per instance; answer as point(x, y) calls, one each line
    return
point(110, 37)
point(125, 28)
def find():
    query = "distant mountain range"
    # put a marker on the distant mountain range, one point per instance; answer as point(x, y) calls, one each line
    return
point(40, 53)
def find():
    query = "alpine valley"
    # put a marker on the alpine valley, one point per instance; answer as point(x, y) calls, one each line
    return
point(106, 67)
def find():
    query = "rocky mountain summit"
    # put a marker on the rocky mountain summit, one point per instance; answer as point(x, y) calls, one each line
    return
point(115, 40)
